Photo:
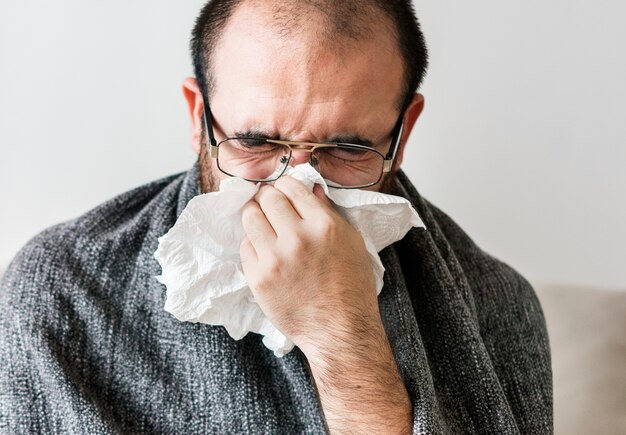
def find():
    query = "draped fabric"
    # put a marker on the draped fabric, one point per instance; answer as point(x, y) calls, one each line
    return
point(86, 347)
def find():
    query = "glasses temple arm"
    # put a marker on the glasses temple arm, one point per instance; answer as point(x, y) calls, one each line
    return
point(208, 122)
point(396, 138)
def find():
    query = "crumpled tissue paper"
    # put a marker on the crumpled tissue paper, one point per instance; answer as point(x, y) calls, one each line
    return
point(200, 261)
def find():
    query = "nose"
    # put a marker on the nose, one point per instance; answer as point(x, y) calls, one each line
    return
point(298, 157)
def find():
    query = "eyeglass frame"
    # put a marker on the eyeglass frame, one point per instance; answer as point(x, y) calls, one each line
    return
point(309, 147)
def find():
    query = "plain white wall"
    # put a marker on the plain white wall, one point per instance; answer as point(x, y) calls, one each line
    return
point(522, 140)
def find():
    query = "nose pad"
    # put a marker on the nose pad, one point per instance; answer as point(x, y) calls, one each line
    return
point(298, 157)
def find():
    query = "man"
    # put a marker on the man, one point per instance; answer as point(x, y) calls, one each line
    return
point(456, 342)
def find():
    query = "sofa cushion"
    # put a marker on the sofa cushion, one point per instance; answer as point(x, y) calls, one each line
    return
point(587, 329)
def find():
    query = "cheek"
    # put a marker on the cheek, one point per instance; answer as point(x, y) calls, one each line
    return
point(216, 174)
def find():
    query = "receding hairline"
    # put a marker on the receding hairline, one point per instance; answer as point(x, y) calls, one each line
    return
point(339, 28)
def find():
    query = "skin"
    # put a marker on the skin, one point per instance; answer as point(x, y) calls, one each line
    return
point(298, 89)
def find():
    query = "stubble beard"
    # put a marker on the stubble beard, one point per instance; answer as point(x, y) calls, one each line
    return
point(388, 183)
point(209, 182)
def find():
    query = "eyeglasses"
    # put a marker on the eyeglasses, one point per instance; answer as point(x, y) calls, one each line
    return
point(342, 165)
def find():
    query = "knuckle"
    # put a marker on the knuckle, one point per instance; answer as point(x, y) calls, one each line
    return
point(327, 225)
point(270, 191)
point(260, 286)
point(265, 188)
point(261, 281)
point(293, 188)
point(297, 246)
point(250, 207)
point(272, 268)
point(282, 182)
point(263, 192)
point(269, 196)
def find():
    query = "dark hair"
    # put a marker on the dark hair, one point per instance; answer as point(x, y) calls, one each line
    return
point(216, 13)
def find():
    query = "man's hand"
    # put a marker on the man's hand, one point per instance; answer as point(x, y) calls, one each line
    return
point(307, 267)
point(312, 277)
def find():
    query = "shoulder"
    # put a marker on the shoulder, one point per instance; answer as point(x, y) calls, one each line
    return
point(122, 212)
point(508, 311)
point(497, 289)
point(76, 278)
point(512, 326)
point(86, 245)
point(492, 280)
point(68, 296)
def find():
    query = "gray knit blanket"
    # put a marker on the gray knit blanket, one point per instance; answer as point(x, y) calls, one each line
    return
point(86, 347)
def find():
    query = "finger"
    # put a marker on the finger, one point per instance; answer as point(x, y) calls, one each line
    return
point(258, 230)
point(306, 203)
point(278, 209)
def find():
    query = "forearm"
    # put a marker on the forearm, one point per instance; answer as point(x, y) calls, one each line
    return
point(327, 305)
point(360, 388)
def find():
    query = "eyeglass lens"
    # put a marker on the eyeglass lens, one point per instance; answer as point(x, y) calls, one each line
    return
point(257, 160)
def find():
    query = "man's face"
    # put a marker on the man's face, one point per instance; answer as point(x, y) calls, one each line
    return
point(293, 88)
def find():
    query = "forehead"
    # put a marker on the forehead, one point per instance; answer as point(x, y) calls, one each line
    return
point(301, 83)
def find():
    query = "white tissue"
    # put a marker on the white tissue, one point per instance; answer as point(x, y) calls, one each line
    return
point(201, 267)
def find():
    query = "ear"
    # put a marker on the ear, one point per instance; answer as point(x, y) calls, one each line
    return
point(195, 104)
point(410, 118)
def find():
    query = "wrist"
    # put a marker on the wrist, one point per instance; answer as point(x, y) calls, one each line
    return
point(359, 386)
point(349, 339)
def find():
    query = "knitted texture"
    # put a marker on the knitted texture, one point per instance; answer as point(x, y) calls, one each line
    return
point(86, 347)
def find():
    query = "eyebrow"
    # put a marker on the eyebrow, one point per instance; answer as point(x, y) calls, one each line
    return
point(256, 132)
point(353, 139)
point(266, 134)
